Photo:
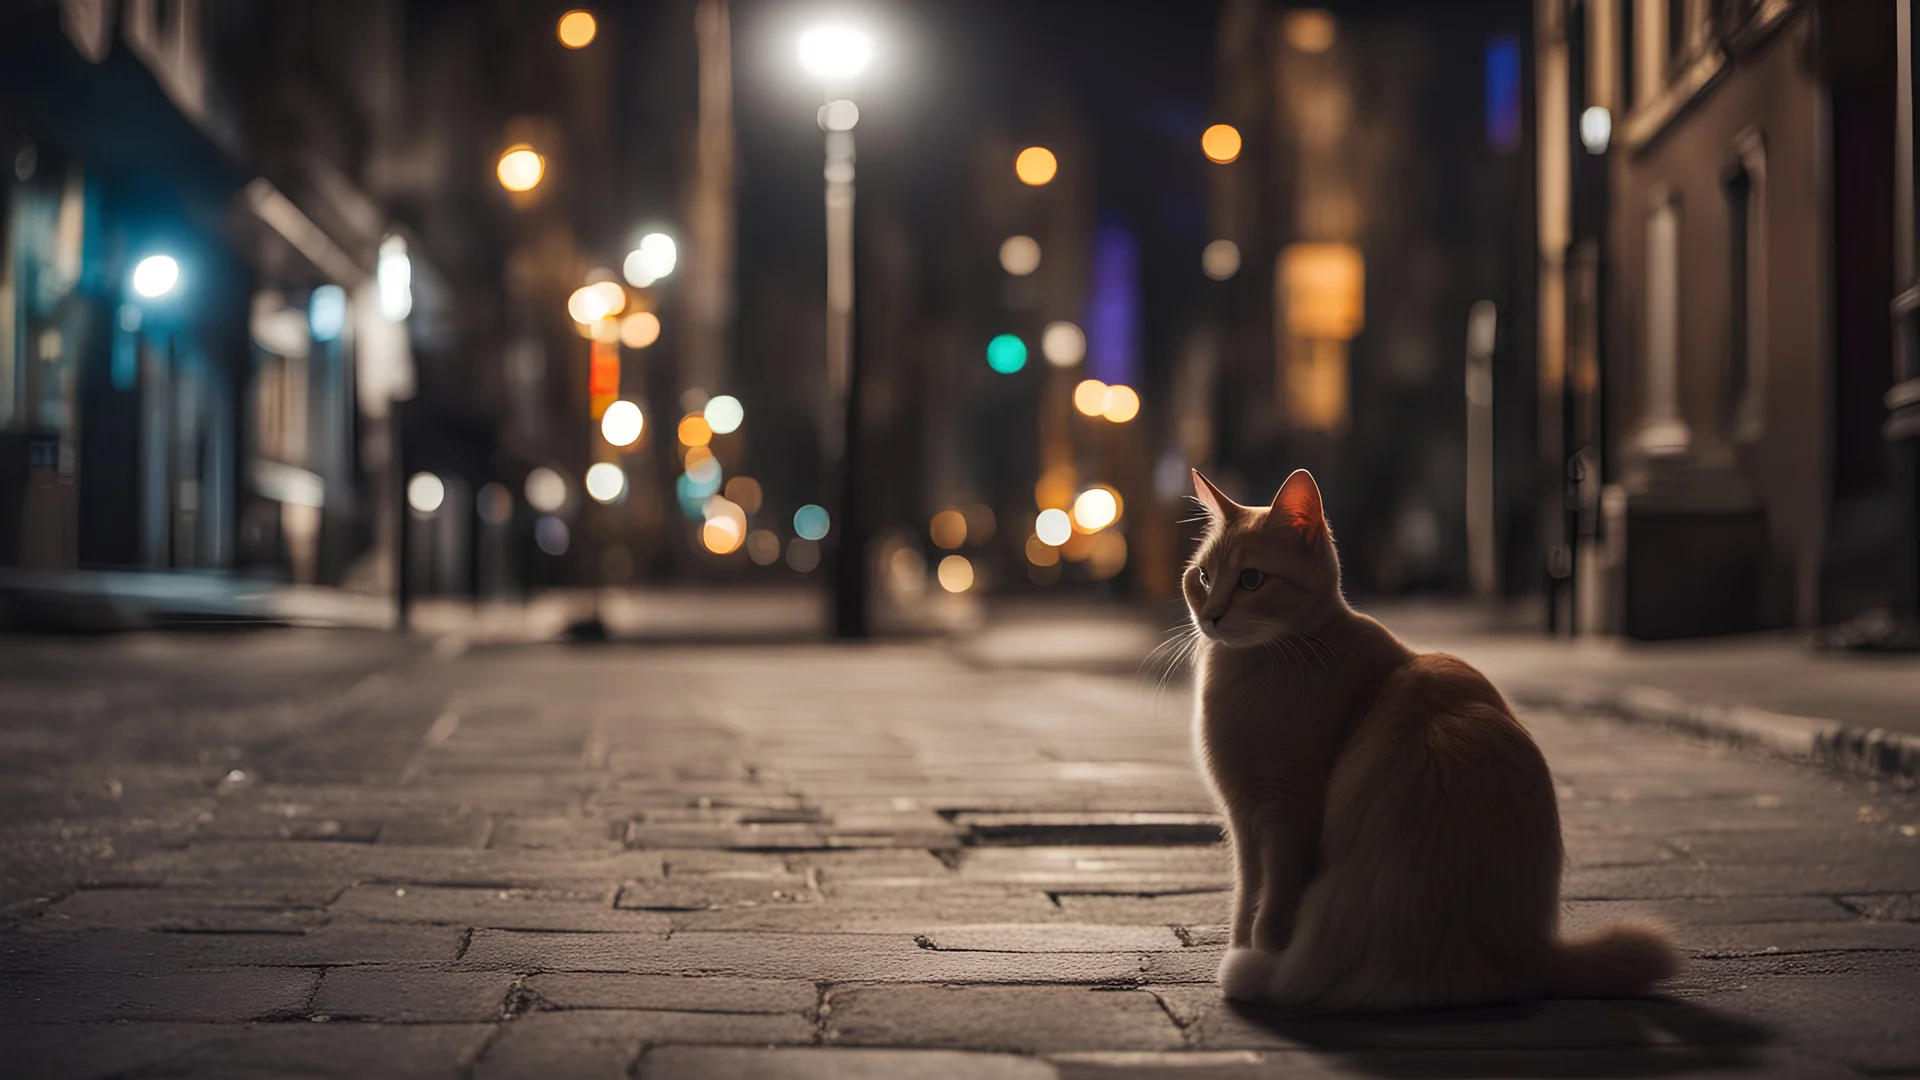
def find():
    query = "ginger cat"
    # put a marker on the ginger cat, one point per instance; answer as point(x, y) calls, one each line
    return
point(1395, 838)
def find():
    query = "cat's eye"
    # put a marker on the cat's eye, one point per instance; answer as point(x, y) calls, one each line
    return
point(1205, 583)
point(1251, 579)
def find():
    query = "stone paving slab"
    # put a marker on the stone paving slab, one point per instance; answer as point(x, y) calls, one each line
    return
point(877, 861)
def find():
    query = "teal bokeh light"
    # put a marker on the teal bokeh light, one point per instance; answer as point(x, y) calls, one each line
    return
point(1006, 354)
point(810, 522)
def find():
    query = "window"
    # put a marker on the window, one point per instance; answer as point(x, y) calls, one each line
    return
point(1662, 430)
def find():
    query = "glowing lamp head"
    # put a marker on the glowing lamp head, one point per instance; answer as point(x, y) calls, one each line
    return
point(835, 52)
point(155, 276)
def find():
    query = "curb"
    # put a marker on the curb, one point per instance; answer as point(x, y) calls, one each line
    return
point(1807, 739)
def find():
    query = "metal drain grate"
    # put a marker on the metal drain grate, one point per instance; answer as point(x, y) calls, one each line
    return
point(994, 828)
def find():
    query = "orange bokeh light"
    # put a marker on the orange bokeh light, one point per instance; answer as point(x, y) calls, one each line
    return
point(694, 430)
point(1221, 143)
point(1035, 166)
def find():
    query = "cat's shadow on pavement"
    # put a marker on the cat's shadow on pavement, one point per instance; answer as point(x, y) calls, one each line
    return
point(1587, 1038)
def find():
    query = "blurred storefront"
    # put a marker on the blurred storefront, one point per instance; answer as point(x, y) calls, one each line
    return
point(194, 365)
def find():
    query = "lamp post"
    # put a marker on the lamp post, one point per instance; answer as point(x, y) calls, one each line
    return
point(837, 54)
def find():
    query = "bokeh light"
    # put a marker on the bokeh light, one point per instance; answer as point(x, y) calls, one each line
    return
point(956, 574)
point(577, 29)
point(981, 523)
point(1221, 143)
point(654, 259)
point(721, 536)
point(763, 547)
point(639, 329)
point(520, 168)
point(589, 304)
point(841, 115)
point(726, 526)
point(724, 414)
point(906, 571)
point(605, 331)
point(948, 529)
point(1096, 508)
point(1122, 404)
point(606, 481)
point(1035, 166)
point(1090, 397)
point(1006, 354)
point(694, 430)
point(811, 522)
point(612, 298)
point(551, 536)
point(155, 276)
point(1041, 553)
point(803, 555)
point(621, 423)
point(1019, 255)
point(1308, 30)
point(835, 52)
point(425, 493)
point(1056, 487)
point(745, 490)
point(545, 490)
point(1108, 555)
point(1220, 260)
point(1063, 344)
point(494, 504)
point(1053, 527)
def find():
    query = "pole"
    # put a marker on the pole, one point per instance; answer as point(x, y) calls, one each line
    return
point(848, 579)
point(402, 517)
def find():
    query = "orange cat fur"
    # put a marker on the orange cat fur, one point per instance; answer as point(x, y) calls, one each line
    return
point(1395, 838)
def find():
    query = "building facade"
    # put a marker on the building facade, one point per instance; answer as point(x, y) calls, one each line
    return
point(1716, 250)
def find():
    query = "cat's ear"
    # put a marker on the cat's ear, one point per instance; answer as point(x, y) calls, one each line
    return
point(1219, 507)
point(1297, 507)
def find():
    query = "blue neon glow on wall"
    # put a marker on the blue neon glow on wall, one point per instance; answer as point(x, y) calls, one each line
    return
point(1503, 92)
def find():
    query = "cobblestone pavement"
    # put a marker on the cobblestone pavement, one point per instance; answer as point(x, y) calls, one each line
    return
point(346, 854)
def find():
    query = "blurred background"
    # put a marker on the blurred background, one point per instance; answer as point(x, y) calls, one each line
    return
point(1593, 316)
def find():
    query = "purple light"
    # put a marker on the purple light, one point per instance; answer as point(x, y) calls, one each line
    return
point(1113, 308)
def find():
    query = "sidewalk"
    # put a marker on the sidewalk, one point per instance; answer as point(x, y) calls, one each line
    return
point(812, 861)
point(1772, 691)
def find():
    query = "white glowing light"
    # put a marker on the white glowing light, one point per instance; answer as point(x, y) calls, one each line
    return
point(839, 115)
point(835, 52)
point(1095, 509)
point(1596, 129)
point(545, 490)
point(1020, 255)
point(1063, 344)
point(605, 481)
point(327, 312)
point(1053, 527)
point(621, 423)
point(724, 414)
point(654, 259)
point(425, 492)
point(393, 278)
point(155, 276)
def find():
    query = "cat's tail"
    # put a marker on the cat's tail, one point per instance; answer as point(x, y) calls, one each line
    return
point(1622, 960)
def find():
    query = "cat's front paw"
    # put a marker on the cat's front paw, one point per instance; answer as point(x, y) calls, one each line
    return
point(1245, 973)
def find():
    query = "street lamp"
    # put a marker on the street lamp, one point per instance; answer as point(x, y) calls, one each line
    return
point(837, 54)
point(155, 276)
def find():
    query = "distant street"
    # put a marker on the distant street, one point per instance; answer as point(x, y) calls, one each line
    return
point(350, 854)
